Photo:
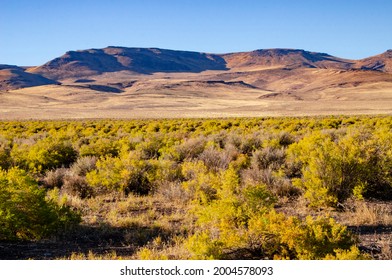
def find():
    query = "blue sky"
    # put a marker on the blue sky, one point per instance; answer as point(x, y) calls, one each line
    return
point(33, 32)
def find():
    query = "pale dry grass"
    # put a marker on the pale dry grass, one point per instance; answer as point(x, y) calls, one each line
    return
point(144, 211)
point(144, 227)
point(368, 213)
point(92, 256)
point(386, 249)
point(173, 249)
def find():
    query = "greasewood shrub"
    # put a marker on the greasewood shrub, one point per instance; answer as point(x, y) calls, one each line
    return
point(46, 154)
point(276, 236)
point(357, 164)
point(150, 148)
point(108, 175)
point(200, 184)
point(270, 235)
point(100, 147)
point(25, 213)
point(127, 174)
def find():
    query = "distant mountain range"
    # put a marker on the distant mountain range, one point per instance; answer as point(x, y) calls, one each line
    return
point(146, 61)
point(118, 82)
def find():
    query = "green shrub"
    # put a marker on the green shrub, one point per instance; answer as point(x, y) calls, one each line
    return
point(358, 164)
point(108, 175)
point(239, 223)
point(125, 174)
point(163, 172)
point(150, 148)
point(100, 147)
point(25, 213)
point(204, 246)
point(270, 235)
point(276, 236)
point(46, 154)
point(200, 184)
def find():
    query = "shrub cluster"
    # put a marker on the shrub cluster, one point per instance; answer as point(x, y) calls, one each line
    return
point(334, 169)
point(26, 213)
point(231, 171)
point(240, 223)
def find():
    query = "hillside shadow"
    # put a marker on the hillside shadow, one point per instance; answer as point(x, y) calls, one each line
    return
point(84, 81)
point(100, 88)
point(122, 241)
point(148, 62)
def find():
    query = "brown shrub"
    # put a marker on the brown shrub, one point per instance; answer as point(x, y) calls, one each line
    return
point(189, 149)
point(83, 165)
point(76, 185)
point(268, 157)
point(55, 178)
point(251, 143)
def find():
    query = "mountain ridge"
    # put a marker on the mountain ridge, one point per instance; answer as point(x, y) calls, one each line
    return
point(151, 60)
point(113, 60)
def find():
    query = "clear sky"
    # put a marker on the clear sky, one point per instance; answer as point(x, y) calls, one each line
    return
point(33, 32)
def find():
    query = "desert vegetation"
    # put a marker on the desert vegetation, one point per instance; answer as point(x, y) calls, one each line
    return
point(236, 188)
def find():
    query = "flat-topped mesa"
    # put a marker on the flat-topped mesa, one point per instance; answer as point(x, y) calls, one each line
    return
point(138, 60)
point(291, 58)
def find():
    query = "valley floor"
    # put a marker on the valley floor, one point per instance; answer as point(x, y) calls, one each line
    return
point(20, 106)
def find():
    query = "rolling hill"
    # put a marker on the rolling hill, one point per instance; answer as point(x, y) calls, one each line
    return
point(14, 77)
